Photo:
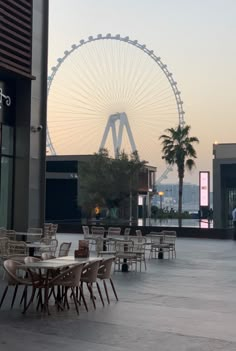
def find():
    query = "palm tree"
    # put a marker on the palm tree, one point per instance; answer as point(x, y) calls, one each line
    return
point(177, 149)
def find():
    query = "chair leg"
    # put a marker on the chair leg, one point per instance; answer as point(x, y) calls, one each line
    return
point(30, 300)
point(66, 303)
point(83, 298)
point(100, 293)
point(3, 295)
point(40, 301)
point(90, 288)
point(23, 295)
point(145, 265)
point(113, 288)
point(14, 296)
point(25, 298)
point(105, 287)
point(75, 300)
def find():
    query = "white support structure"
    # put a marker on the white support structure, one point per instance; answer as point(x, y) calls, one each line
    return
point(120, 120)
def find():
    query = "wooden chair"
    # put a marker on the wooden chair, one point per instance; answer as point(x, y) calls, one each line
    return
point(105, 273)
point(89, 276)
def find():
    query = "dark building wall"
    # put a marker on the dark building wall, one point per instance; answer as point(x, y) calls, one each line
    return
point(29, 83)
point(37, 161)
point(62, 190)
point(61, 200)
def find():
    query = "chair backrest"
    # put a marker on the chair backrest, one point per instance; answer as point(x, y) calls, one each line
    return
point(156, 239)
point(10, 234)
point(85, 229)
point(17, 248)
point(64, 249)
point(169, 232)
point(31, 259)
point(47, 256)
point(3, 246)
point(113, 231)
point(127, 231)
point(46, 229)
point(90, 271)
point(124, 246)
point(53, 245)
point(53, 248)
point(169, 239)
point(53, 229)
point(70, 276)
point(98, 230)
point(105, 268)
point(10, 267)
point(138, 232)
point(46, 240)
point(139, 243)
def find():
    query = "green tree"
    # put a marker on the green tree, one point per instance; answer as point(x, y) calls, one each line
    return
point(177, 149)
point(108, 182)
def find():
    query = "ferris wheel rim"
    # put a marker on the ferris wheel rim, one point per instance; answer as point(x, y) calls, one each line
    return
point(126, 39)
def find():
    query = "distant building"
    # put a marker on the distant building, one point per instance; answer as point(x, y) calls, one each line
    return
point(62, 186)
point(171, 195)
point(224, 183)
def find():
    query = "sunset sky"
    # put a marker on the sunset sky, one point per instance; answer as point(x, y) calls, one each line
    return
point(195, 38)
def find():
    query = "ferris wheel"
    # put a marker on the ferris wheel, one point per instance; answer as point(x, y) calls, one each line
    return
point(113, 92)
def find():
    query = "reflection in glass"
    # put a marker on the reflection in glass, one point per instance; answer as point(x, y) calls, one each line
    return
point(7, 140)
point(6, 191)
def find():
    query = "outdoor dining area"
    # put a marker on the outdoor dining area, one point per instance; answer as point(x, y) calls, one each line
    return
point(46, 275)
point(134, 249)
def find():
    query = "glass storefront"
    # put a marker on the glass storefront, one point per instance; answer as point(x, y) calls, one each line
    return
point(7, 119)
point(231, 196)
point(6, 175)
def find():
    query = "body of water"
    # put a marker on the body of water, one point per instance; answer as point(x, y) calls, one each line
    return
point(194, 223)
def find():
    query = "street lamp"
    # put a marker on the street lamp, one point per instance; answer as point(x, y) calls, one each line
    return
point(161, 193)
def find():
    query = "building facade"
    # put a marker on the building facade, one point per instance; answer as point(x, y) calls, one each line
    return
point(23, 95)
point(224, 184)
point(63, 188)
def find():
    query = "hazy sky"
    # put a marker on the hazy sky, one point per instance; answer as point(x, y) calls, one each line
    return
point(195, 38)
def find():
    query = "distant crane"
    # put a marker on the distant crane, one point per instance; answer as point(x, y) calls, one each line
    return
point(163, 176)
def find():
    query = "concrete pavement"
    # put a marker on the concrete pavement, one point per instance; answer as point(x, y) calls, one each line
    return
point(187, 304)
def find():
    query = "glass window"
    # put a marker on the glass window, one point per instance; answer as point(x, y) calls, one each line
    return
point(6, 178)
point(7, 140)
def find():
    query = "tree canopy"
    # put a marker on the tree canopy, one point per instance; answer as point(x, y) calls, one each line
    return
point(107, 182)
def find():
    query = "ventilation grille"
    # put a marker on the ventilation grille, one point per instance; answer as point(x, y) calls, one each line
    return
point(16, 35)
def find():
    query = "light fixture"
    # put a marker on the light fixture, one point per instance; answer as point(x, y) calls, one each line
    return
point(35, 129)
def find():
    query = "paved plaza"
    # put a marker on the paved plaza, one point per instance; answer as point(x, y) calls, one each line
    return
point(186, 304)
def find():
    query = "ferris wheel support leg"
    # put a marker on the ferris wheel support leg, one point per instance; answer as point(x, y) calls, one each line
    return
point(105, 134)
point(128, 129)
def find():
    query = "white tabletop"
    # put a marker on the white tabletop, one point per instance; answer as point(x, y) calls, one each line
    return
point(38, 245)
point(78, 260)
point(60, 262)
point(49, 264)
point(30, 234)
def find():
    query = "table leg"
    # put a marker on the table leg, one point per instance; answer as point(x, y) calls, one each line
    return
point(125, 266)
point(160, 254)
point(31, 251)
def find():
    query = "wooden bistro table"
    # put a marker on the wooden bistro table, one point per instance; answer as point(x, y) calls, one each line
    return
point(48, 266)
